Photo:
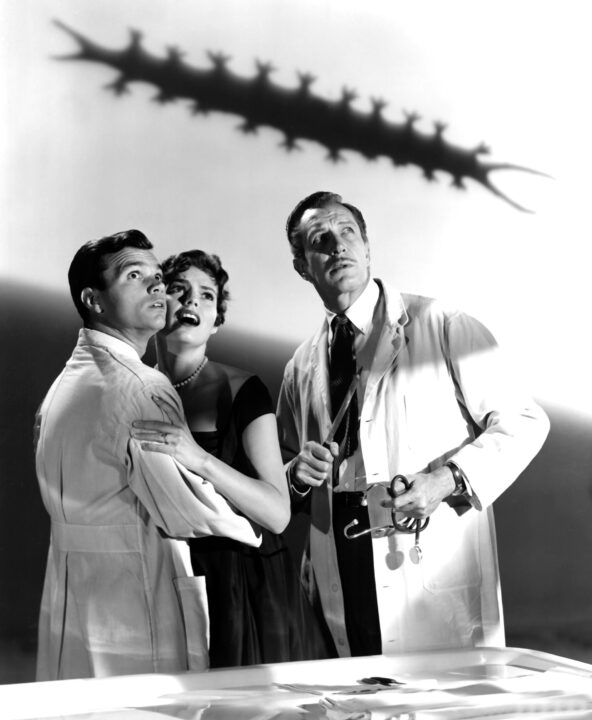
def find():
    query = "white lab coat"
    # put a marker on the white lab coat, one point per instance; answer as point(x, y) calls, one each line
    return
point(119, 597)
point(437, 390)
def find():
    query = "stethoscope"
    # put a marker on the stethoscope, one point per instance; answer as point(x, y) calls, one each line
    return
point(404, 524)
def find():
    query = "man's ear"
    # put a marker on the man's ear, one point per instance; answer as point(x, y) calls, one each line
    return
point(300, 267)
point(90, 300)
point(367, 251)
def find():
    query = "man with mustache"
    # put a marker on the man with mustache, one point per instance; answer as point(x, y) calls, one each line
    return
point(435, 402)
point(119, 595)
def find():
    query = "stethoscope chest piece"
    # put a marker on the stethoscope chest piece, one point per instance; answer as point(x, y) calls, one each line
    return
point(415, 554)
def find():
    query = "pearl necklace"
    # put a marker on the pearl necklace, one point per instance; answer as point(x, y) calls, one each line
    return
point(193, 375)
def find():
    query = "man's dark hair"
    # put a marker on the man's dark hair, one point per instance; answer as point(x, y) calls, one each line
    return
point(208, 263)
point(88, 265)
point(318, 199)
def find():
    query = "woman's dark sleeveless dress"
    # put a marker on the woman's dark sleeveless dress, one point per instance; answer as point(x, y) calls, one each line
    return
point(258, 611)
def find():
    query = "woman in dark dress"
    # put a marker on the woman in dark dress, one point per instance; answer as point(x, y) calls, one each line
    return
point(258, 612)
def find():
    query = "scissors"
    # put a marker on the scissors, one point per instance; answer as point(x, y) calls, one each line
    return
point(406, 525)
point(342, 408)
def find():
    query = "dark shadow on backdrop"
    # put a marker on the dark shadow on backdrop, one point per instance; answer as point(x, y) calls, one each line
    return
point(298, 113)
point(543, 521)
point(38, 330)
point(544, 531)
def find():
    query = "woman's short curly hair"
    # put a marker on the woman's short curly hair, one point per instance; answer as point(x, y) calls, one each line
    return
point(208, 263)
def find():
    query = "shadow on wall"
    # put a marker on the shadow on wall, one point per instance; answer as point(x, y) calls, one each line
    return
point(297, 113)
point(543, 521)
point(544, 531)
point(38, 332)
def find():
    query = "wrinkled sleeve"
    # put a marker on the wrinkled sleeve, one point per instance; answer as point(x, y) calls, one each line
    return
point(180, 502)
point(510, 426)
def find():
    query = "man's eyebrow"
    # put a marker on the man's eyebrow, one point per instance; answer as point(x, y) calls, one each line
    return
point(313, 226)
point(320, 224)
point(126, 264)
point(123, 265)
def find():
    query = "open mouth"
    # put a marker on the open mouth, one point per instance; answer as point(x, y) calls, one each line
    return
point(158, 304)
point(184, 317)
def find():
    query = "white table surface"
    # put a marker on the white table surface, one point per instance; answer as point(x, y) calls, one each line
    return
point(482, 682)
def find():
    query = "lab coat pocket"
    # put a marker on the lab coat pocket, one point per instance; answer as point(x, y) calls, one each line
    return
point(450, 551)
point(194, 604)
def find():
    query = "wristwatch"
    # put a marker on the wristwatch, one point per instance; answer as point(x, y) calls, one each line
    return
point(460, 485)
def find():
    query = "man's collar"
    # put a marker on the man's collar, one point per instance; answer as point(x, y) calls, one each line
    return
point(361, 311)
point(87, 336)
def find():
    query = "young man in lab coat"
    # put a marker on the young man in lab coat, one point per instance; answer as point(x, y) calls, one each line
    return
point(119, 597)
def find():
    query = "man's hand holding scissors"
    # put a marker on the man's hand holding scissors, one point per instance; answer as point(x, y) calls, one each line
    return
point(314, 463)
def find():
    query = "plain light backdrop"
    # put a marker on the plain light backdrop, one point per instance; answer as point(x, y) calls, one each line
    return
point(78, 162)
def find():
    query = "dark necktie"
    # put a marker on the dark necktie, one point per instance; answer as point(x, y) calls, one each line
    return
point(354, 557)
point(342, 368)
